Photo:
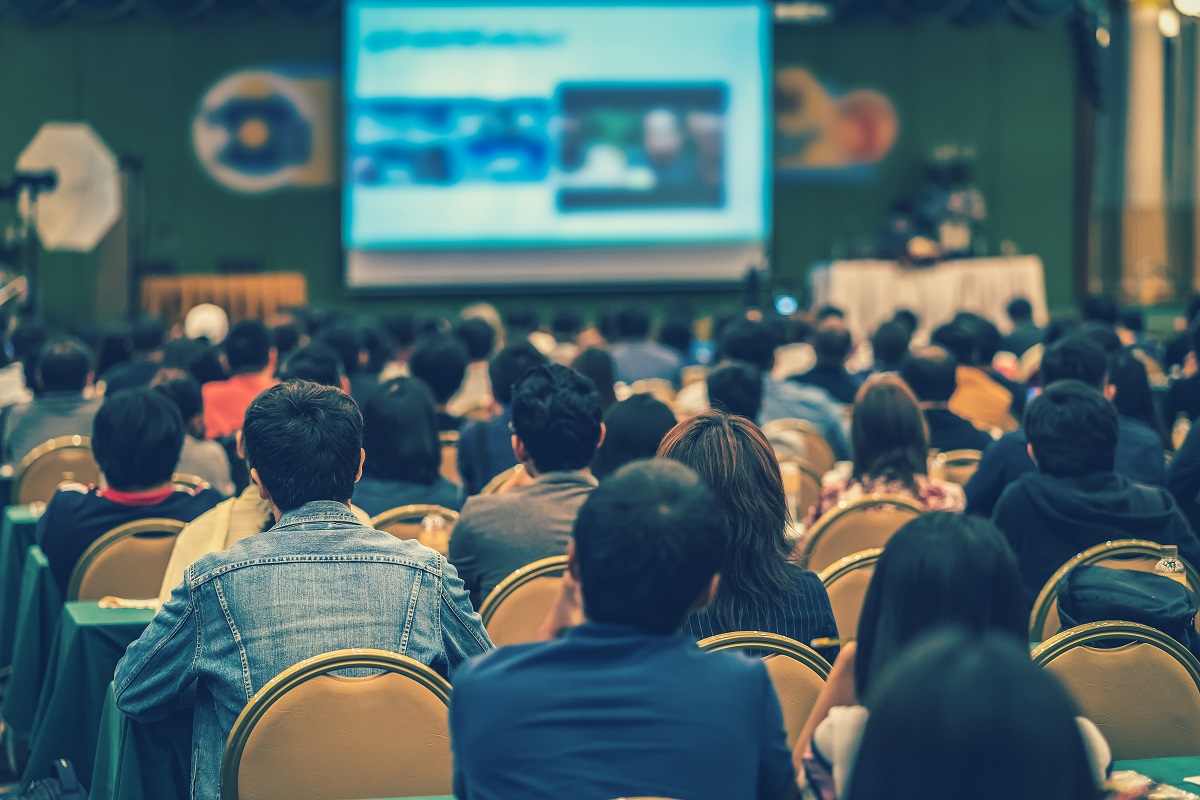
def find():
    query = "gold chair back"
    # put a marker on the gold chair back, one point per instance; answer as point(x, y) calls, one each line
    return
point(798, 672)
point(129, 561)
point(449, 466)
point(516, 608)
point(432, 526)
point(63, 460)
point(661, 390)
point(511, 478)
point(955, 466)
point(693, 374)
point(1133, 554)
point(847, 582)
point(1143, 695)
point(308, 733)
point(187, 481)
point(803, 440)
point(855, 526)
point(801, 485)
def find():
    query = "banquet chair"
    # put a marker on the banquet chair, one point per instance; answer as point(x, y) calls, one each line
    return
point(1133, 554)
point(449, 465)
point(801, 484)
point(310, 733)
point(846, 582)
point(187, 481)
point(516, 608)
point(129, 561)
point(796, 437)
point(693, 374)
point(661, 390)
point(955, 466)
point(432, 526)
point(1142, 690)
point(798, 672)
point(854, 526)
point(62, 460)
point(511, 478)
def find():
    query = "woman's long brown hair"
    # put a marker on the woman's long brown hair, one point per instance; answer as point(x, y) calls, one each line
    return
point(887, 432)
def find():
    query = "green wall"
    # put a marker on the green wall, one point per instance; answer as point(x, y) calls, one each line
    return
point(1007, 89)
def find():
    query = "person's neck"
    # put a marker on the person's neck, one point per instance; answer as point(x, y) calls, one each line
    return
point(278, 514)
point(533, 472)
point(238, 373)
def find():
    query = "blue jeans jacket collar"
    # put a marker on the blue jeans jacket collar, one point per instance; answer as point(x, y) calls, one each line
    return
point(312, 515)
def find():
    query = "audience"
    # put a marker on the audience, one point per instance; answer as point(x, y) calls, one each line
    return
point(441, 363)
point(62, 405)
point(316, 363)
point(624, 705)
point(475, 395)
point(248, 355)
point(1182, 399)
point(1133, 397)
point(136, 438)
point(932, 374)
point(404, 455)
point(229, 631)
point(200, 457)
point(891, 453)
point(565, 327)
point(889, 347)
point(832, 348)
point(596, 364)
point(675, 334)
point(146, 340)
point(1075, 499)
point(979, 397)
point(736, 388)
point(346, 343)
point(1025, 333)
point(636, 357)
point(633, 430)
point(556, 428)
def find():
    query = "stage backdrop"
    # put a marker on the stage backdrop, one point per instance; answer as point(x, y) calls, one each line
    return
point(1006, 89)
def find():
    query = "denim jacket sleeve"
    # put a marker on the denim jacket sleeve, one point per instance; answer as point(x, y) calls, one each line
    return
point(158, 668)
point(463, 635)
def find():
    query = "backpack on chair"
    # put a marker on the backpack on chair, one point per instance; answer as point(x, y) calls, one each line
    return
point(64, 785)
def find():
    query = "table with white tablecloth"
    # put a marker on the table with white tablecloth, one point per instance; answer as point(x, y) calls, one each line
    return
point(871, 291)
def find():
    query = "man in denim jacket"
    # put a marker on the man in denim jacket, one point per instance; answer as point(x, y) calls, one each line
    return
point(319, 580)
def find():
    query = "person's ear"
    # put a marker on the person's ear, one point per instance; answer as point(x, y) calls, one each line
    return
point(603, 433)
point(362, 458)
point(572, 564)
point(1032, 457)
point(706, 594)
point(1110, 391)
point(257, 481)
point(519, 449)
point(241, 446)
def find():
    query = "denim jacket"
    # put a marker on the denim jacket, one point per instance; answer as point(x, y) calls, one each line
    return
point(318, 581)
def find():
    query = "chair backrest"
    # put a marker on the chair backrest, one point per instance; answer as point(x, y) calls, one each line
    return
point(811, 442)
point(798, 672)
point(510, 478)
point(801, 485)
point(129, 561)
point(516, 608)
point(955, 466)
point(1143, 694)
point(693, 374)
point(62, 460)
point(847, 581)
point(188, 481)
point(449, 465)
point(855, 526)
point(432, 526)
point(310, 733)
point(1133, 554)
point(661, 390)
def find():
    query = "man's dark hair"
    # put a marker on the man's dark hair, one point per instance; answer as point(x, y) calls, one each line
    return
point(566, 324)
point(346, 342)
point(1020, 311)
point(890, 343)
point(1104, 336)
point(750, 342)
point(676, 333)
point(908, 318)
point(441, 362)
point(403, 330)
point(305, 442)
point(557, 414)
point(248, 346)
point(315, 363)
point(1072, 430)
point(520, 322)
point(64, 365)
point(736, 388)
point(932, 374)
point(181, 389)
point(832, 347)
point(510, 365)
point(1075, 358)
point(147, 335)
point(137, 436)
point(986, 336)
point(826, 312)
point(633, 324)
point(1100, 308)
point(285, 337)
point(477, 336)
point(401, 434)
point(958, 340)
point(648, 541)
point(1132, 319)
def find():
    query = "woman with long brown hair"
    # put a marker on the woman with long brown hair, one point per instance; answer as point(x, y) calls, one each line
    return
point(890, 446)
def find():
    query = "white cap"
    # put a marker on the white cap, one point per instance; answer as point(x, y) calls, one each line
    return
point(208, 321)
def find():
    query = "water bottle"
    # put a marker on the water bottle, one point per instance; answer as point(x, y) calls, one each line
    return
point(1169, 566)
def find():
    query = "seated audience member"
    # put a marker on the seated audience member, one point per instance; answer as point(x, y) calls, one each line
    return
point(200, 457)
point(939, 571)
point(891, 452)
point(286, 337)
point(624, 705)
point(1131, 328)
point(62, 405)
point(229, 631)
point(908, 319)
point(565, 326)
point(1133, 398)
point(832, 348)
point(967, 710)
point(988, 341)
point(485, 448)
point(475, 395)
point(1101, 309)
point(146, 340)
point(932, 374)
point(1075, 500)
point(1025, 333)
point(759, 589)
point(441, 362)
point(596, 364)
point(736, 388)
point(136, 438)
point(1139, 450)
point(1183, 395)
point(346, 342)
point(1177, 349)
point(556, 428)
point(315, 363)
point(675, 334)
point(404, 454)
point(637, 358)
point(979, 397)
point(23, 344)
point(890, 347)
point(402, 330)
point(633, 430)
point(248, 357)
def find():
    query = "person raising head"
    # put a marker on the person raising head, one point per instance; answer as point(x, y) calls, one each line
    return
point(633, 430)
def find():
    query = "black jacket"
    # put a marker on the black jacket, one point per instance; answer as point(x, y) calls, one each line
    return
point(948, 431)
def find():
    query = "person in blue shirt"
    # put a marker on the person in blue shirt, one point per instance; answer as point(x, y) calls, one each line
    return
point(625, 705)
point(1139, 448)
point(832, 346)
point(637, 358)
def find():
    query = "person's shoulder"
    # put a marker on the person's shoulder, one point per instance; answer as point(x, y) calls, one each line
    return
point(1138, 431)
point(805, 581)
point(501, 663)
point(72, 498)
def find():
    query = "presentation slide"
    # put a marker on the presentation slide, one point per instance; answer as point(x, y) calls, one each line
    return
point(487, 136)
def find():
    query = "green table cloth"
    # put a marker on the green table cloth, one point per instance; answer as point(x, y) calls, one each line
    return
point(140, 761)
point(18, 529)
point(37, 613)
point(1170, 771)
point(88, 644)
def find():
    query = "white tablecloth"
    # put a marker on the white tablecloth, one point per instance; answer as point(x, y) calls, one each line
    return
point(870, 292)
